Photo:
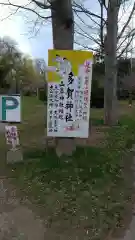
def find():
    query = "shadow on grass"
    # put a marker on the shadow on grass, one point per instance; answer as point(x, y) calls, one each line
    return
point(97, 121)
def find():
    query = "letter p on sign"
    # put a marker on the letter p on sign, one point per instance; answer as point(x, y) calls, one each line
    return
point(10, 108)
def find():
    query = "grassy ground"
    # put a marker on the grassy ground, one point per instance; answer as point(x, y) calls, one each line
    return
point(86, 195)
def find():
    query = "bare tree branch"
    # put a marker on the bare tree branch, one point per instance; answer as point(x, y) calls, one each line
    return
point(103, 3)
point(41, 5)
point(124, 49)
point(120, 37)
point(84, 21)
point(90, 37)
point(10, 15)
point(81, 9)
point(126, 24)
point(87, 47)
point(126, 37)
point(25, 7)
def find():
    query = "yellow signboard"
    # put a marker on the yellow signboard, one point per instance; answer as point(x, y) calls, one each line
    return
point(75, 58)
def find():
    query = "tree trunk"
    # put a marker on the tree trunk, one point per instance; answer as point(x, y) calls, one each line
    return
point(62, 24)
point(63, 39)
point(110, 87)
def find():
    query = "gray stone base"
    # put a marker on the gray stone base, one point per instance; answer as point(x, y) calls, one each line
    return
point(14, 156)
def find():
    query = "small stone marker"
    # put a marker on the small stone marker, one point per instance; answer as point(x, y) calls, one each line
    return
point(14, 156)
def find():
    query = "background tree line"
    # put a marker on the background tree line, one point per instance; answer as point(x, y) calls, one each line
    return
point(18, 72)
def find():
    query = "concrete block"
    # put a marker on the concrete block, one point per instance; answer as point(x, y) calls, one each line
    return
point(14, 156)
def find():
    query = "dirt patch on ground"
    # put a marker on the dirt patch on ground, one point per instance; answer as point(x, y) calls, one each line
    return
point(17, 221)
point(96, 138)
point(118, 232)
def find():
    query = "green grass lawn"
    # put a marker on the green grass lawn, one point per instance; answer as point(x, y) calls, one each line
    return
point(86, 195)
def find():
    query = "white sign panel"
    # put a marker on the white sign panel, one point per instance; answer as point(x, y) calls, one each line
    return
point(11, 135)
point(69, 103)
point(10, 108)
